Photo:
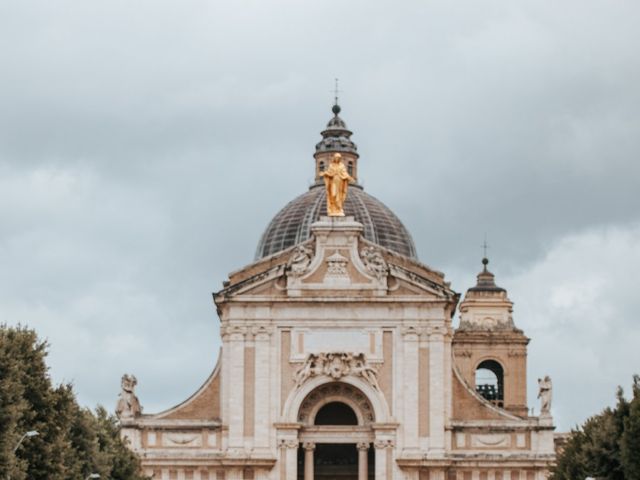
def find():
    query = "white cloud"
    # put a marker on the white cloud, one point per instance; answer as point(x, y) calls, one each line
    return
point(580, 306)
point(143, 148)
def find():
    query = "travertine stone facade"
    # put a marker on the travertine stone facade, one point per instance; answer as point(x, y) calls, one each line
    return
point(339, 346)
point(383, 344)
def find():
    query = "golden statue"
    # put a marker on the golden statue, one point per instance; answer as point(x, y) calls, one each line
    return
point(336, 181)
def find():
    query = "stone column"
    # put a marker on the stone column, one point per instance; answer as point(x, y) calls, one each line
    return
point(363, 460)
point(309, 447)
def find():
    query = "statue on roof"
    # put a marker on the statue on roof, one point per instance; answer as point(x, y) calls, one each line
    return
point(544, 394)
point(336, 181)
point(128, 405)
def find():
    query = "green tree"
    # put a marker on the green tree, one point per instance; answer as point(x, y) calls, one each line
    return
point(72, 441)
point(630, 441)
point(607, 446)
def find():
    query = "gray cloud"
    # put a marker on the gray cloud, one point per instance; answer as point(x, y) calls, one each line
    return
point(144, 148)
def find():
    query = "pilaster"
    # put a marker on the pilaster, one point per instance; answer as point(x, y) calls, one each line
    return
point(436, 392)
point(410, 391)
point(262, 337)
point(236, 337)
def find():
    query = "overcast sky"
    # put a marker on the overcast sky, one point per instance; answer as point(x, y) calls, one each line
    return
point(144, 146)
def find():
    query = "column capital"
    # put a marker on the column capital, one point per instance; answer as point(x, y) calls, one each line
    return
point(436, 333)
point(288, 443)
point(261, 332)
point(363, 445)
point(410, 333)
point(309, 445)
point(233, 332)
point(383, 443)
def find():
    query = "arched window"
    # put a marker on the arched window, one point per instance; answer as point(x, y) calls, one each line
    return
point(336, 413)
point(321, 166)
point(350, 168)
point(490, 382)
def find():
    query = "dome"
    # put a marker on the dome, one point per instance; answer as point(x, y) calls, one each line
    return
point(292, 224)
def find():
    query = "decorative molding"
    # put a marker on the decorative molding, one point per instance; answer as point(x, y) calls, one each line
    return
point(288, 443)
point(337, 365)
point(374, 262)
point(410, 330)
point(463, 353)
point(261, 332)
point(401, 272)
point(340, 390)
point(230, 290)
point(382, 443)
point(517, 353)
point(233, 331)
point(433, 331)
point(183, 440)
point(299, 262)
point(337, 265)
point(490, 440)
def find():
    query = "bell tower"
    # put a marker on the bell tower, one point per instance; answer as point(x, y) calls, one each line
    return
point(490, 352)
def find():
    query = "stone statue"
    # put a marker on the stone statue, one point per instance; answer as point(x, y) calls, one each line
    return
point(336, 181)
point(128, 405)
point(374, 262)
point(363, 369)
point(300, 260)
point(337, 365)
point(544, 394)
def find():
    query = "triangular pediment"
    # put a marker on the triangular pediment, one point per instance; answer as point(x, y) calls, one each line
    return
point(337, 262)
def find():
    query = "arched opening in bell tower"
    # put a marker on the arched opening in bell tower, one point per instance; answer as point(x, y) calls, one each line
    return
point(490, 382)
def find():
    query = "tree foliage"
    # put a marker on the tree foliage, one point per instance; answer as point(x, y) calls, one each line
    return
point(72, 441)
point(607, 446)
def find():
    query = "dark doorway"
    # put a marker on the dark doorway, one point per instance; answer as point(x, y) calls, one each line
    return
point(336, 461)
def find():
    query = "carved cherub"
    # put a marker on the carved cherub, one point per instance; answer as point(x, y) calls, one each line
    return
point(366, 371)
point(304, 372)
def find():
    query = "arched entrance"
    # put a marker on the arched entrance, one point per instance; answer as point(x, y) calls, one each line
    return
point(336, 435)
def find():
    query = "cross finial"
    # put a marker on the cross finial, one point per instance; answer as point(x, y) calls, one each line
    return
point(336, 91)
point(336, 108)
point(485, 247)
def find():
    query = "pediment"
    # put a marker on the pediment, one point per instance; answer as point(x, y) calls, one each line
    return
point(338, 262)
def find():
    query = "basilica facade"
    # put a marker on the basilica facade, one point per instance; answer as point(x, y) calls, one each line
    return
point(345, 357)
